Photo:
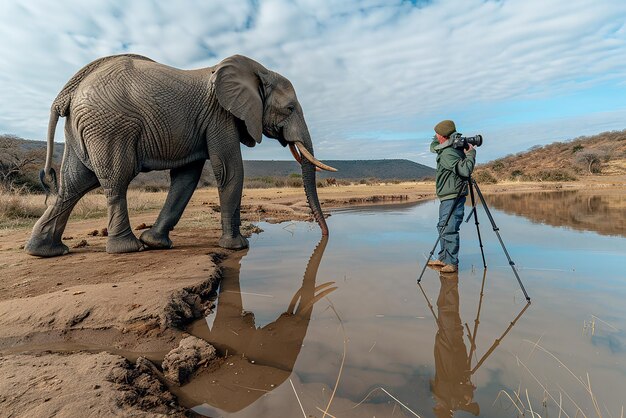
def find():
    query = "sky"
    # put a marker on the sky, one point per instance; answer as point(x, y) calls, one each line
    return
point(372, 76)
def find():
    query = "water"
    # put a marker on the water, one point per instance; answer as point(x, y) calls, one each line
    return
point(372, 325)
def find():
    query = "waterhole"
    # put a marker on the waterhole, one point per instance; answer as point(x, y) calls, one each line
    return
point(340, 326)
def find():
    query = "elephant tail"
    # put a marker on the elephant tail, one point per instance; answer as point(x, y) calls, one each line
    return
point(48, 171)
point(61, 108)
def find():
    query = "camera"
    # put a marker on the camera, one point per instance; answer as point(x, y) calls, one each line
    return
point(461, 142)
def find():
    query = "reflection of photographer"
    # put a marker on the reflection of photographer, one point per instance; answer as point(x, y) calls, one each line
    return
point(456, 157)
point(451, 386)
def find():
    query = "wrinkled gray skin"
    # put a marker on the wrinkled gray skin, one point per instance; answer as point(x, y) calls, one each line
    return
point(126, 114)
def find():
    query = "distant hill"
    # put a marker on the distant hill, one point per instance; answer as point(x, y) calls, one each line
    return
point(602, 154)
point(347, 169)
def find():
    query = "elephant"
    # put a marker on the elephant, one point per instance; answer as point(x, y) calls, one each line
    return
point(127, 114)
point(271, 350)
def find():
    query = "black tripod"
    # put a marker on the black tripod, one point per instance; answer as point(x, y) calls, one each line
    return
point(471, 183)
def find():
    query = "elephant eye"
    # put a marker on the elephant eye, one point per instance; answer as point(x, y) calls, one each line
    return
point(291, 108)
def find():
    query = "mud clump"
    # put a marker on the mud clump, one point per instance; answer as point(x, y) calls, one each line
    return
point(81, 244)
point(182, 362)
point(190, 303)
point(182, 308)
point(104, 232)
point(139, 387)
point(249, 229)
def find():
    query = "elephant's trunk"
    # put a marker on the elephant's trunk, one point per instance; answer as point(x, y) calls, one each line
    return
point(310, 186)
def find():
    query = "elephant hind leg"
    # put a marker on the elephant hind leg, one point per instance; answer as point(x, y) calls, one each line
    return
point(183, 182)
point(112, 151)
point(121, 238)
point(76, 181)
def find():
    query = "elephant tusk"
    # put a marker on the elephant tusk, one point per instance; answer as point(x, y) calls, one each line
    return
point(295, 153)
point(297, 156)
point(306, 154)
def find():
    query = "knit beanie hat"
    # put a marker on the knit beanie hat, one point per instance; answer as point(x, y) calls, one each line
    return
point(445, 128)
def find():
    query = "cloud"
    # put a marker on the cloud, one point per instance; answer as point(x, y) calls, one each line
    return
point(359, 67)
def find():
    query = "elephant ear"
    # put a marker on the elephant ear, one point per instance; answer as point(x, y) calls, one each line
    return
point(238, 89)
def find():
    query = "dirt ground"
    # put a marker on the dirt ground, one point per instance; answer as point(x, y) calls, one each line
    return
point(69, 325)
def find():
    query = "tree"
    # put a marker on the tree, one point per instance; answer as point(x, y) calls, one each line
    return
point(592, 159)
point(16, 161)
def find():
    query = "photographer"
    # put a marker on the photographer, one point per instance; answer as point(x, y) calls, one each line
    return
point(455, 162)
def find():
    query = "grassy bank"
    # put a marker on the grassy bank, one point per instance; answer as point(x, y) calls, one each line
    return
point(21, 209)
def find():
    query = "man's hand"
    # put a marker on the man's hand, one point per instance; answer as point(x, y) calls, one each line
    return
point(469, 148)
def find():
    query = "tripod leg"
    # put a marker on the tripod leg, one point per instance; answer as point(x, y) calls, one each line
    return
point(456, 201)
point(496, 230)
point(476, 322)
point(480, 240)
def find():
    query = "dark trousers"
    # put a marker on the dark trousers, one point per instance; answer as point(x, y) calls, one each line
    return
point(449, 244)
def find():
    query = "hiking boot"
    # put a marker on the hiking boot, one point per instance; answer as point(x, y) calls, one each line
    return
point(449, 268)
point(435, 263)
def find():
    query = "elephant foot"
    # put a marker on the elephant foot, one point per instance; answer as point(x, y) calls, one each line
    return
point(124, 244)
point(233, 243)
point(41, 249)
point(154, 239)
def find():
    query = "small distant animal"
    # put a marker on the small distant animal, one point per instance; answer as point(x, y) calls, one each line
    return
point(331, 181)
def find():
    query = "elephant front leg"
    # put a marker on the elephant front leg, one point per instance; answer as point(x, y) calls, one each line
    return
point(228, 169)
point(121, 238)
point(183, 183)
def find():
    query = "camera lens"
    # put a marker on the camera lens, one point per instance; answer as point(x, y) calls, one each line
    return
point(477, 140)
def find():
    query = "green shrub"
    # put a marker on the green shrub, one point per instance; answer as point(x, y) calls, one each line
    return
point(577, 148)
point(555, 175)
point(269, 181)
point(484, 176)
point(294, 182)
point(516, 174)
point(497, 165)
point(151, 188)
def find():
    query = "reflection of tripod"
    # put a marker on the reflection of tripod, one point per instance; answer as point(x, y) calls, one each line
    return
point(471, 183)
point(472, 335)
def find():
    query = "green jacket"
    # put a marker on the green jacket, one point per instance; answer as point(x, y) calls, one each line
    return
point(453, 167)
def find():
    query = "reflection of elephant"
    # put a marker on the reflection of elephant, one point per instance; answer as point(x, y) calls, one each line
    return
point(127, 114)
point(270, 352)
point(451, 386)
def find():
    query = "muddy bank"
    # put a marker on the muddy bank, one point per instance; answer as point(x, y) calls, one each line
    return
point(82, 384)
point(70, 325)
point(144, 308)
point(51, 377)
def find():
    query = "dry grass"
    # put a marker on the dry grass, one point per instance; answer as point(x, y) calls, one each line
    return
point(325, 412)
point(573, 408)
point(20, 209)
